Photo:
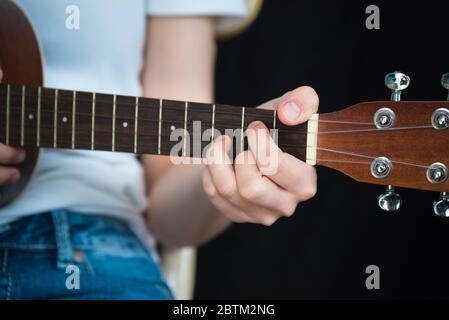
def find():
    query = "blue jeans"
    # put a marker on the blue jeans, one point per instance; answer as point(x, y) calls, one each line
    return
point(65, 255)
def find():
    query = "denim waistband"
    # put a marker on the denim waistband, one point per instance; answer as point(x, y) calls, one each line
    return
point(69, 232)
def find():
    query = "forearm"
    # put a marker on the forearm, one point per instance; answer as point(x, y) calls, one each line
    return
point(180, 212)
point(180, 58)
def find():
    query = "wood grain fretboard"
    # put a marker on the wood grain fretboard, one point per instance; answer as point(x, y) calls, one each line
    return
point(52, 118)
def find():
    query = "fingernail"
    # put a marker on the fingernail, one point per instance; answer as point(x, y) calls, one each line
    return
point(292, 111)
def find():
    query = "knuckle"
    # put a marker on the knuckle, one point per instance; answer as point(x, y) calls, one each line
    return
point(252, 191)
point(226, 190)
point(268, 220)
point(209, 189)
point(309, 192)
point(288, 209)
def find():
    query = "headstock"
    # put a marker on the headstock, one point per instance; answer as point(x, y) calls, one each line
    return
point(393, 143)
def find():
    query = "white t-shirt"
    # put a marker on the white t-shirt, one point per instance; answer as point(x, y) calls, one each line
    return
point(103, 55)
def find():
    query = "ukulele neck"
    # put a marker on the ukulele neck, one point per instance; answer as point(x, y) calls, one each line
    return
point(51, 118)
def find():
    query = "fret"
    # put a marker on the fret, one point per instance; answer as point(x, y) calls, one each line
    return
point(103, 122)
point(83, 121)
point(114, 107)
point(64, 121)
point(92, 131)
point(184, 148)
point(173, 118)
point(242, 132)
point(228, 121)
point(73, 119)
point(8, 111)
point(136, 124)
point(147, 123)
point(55, 120)
point(253, 114)
point(213, 124)
point(290, 136)
point(31, 117)
point(12, 115)
point(159, 128)
point(46, 118)
point(38, 125)
point(22, 118)
point(125, 124)
point(3, 97)
point(198, 123)
point(274, 132)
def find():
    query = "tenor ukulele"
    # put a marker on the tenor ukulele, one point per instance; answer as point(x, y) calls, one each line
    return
point(392, 143)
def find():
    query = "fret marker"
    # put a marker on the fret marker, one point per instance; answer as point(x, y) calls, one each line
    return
point(31, 116)
point(125, 124)
point(64, 119)
point(172, 128)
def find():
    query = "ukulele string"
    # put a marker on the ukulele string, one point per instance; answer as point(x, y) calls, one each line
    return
point(88, 132)
point(133, 105)
point(280, 130)
point(367, 157)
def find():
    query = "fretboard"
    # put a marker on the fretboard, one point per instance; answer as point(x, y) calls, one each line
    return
point(52, 118)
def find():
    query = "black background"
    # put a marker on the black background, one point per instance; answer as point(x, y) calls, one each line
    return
point(323, 250)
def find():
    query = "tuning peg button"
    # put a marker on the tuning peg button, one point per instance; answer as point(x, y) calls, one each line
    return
point(390, 201)
point(396, 82)
point(441, 206)
point(445, 82)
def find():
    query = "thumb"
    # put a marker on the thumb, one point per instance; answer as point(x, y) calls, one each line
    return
point(296, 106)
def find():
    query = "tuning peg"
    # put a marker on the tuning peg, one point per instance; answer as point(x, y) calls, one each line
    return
point(445, 82)
point(441, 206)
point(389, 201)
point(397, 82)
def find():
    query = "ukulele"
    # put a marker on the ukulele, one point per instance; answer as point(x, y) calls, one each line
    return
point(392, 143)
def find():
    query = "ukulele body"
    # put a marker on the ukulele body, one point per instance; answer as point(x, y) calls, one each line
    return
point(21, 63)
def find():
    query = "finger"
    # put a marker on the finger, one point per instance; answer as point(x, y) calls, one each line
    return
point(9, 175)
point(1, 74)
point(10, 155)
point(221, 203)
point(283, 169)
point(258, 189)
point(220, 167)
point(263, 148)
point(295, 106)
point(296, 176)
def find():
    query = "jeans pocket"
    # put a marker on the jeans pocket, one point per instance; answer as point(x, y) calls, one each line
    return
point(119, 277)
